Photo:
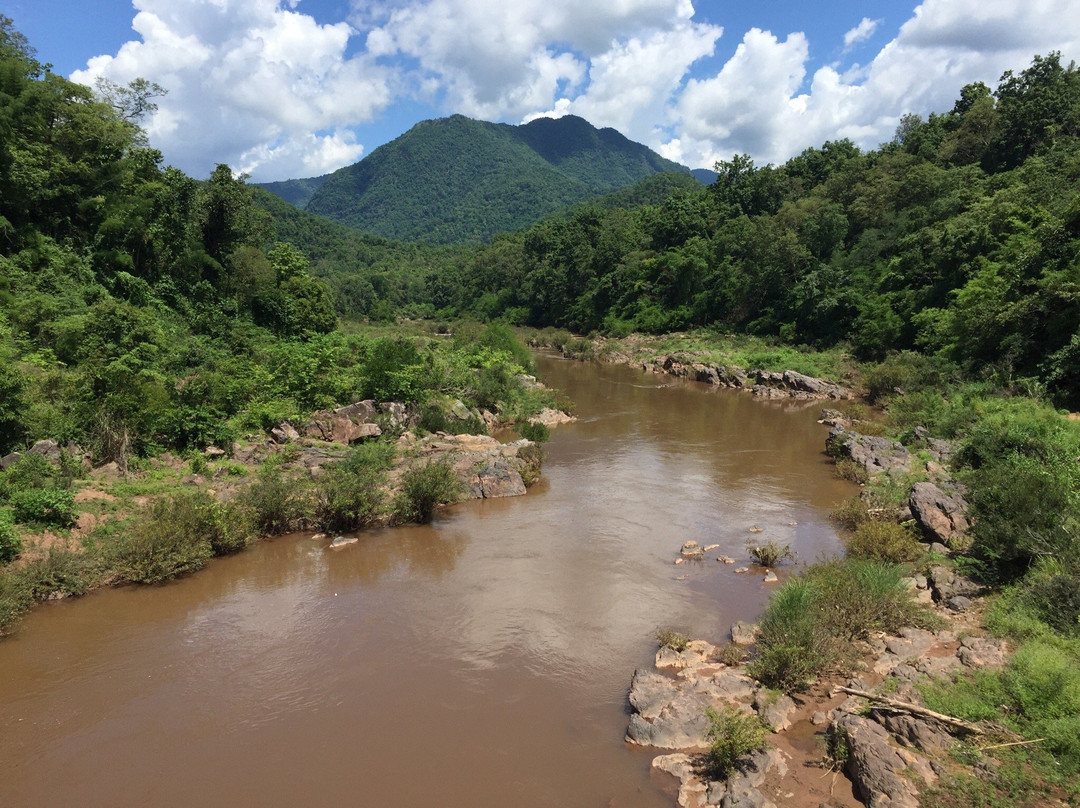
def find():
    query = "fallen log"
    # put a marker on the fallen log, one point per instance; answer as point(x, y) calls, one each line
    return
point(914, 709)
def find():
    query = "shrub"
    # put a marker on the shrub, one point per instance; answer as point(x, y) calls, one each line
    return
point(668, 638)
point(531, 463)
point(883, 541)
point(1056, 601)
point(851, 513)
point(733, 734)
point(49, 506)
point(770, 553)
point(15, 599)
point(732, 654)
point(536, 432)
point(178, 536)
point(812, 619)
point(352, 493)
point(60, 571)
point(10, 543)
point(423, 489)
point(278, 503)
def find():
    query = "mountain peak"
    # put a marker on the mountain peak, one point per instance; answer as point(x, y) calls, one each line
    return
point(459, 180)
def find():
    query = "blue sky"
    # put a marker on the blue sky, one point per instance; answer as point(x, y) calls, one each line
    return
point(292, 88)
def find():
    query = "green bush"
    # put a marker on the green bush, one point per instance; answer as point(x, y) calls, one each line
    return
point(536, 432)
point(812, 619)
point(278, 502)
point(732, 734)
point(352, 492)
point(60, 571)
point(1055, 599)
point(423, 489)
point(10, 543)
point(48, 506)
point(883, 541)
point(177, 536)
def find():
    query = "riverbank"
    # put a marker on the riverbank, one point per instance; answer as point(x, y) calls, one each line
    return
point(353, 468)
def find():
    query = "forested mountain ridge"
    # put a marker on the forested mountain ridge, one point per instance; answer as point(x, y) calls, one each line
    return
point(456, 180)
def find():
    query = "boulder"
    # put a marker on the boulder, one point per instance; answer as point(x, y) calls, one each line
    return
point(982, 652)
point(284, 433)
point(692, 790)
point(691, 549)
point(500, 479)
point(670, 713)
point(774, 709)
point(343, 425)
point(947, 584)
point(359, 412)
point(818, 388)
point(743, 633)
point(49, 449)
point(550, 417)
point(396, 415)
point(9, 460)
point(941, 515)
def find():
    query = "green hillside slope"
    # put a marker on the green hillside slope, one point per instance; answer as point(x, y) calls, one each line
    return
point(456, 180)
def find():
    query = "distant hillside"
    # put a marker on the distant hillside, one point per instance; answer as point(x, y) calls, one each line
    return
point(456, 181)
point(295, 192)
point(706, 176)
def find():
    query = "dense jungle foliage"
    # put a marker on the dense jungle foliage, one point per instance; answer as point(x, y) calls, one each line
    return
point(141, 309)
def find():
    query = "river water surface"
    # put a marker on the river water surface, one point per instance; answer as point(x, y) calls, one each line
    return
point(480, 661)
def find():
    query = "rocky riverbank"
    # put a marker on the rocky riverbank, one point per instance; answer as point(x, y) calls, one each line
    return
point(826, 746)
point(696, 365)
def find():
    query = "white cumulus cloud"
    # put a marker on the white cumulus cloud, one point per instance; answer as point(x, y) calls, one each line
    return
point(861, 32)
point(757, 103)
point(251, 83)
point(261, 85)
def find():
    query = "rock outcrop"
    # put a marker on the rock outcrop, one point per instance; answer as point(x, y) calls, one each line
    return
point(883, 774)
point(873, 453)
point(766, 383)
point(344, 424)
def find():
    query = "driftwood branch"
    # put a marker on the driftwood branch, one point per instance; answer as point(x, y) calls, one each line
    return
point(914, 709)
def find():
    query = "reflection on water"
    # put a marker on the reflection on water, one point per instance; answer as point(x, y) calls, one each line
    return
point(480, 660)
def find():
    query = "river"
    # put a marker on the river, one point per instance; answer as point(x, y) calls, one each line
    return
point(483, 660)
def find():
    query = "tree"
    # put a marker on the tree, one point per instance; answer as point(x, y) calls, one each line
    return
point(133, 101)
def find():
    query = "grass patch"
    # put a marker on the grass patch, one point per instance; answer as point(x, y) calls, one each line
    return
point(813, 619)
point(668, 638)
point(770, 553)
point(883, 541)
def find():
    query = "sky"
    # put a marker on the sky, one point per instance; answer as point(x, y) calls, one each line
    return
point(282, 89)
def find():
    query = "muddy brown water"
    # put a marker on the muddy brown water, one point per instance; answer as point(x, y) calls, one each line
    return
point(480, 661)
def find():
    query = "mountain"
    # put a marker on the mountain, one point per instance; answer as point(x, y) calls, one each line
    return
point(706, 176)
point(456, 180)
point(295, 192)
